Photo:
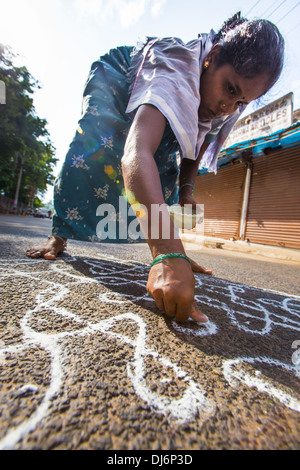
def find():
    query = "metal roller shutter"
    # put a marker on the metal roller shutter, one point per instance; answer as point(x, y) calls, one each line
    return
point(274, 204)
point(222, 196)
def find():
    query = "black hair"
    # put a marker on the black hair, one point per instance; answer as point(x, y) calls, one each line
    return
point(251, 47)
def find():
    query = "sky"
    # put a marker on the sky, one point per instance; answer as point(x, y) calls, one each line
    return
point(58, 40)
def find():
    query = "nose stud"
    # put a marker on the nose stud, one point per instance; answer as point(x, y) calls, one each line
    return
point(223, 105)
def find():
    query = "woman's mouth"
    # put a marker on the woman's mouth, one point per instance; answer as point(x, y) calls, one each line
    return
point(211, 114)
point(207, 115)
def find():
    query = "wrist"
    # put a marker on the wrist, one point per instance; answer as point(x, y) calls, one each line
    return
point(167, 256)
point(186, 189)
point(163, 247)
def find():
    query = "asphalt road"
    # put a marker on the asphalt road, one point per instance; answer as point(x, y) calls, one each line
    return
point(88, 362)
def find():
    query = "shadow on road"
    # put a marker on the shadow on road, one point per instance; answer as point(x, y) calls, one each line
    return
point(244, 322)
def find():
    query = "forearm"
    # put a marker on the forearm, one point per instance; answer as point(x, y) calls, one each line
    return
point(171, 282)
point(187, 177)
point(189, 168)
point(142, 184)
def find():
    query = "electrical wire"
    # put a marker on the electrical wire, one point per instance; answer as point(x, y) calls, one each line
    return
point(288, 13)
point(276, 9)
point(269, 8)
point(252, 7)
point(291, 30)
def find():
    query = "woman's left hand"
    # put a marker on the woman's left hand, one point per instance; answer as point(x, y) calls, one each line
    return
point(185, 198)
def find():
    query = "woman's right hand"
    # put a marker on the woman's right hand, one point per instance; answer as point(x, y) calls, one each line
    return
point(171, 284)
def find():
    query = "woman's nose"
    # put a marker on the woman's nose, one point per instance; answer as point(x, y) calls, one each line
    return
point(228, 107)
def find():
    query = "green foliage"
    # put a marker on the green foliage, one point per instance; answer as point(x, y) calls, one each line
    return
point(37, 203)
point(24, 139)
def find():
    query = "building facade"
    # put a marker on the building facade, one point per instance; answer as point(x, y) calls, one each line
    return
point(255, 195)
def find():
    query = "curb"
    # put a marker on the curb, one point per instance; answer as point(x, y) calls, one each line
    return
point(195, 242)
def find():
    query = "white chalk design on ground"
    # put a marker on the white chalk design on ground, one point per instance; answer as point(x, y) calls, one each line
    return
point(182, 409)
point(243, 313)
point(194, 399)
point(234, 374)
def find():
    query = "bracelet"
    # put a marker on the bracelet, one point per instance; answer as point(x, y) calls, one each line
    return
point(187, 184)
point(160, 258)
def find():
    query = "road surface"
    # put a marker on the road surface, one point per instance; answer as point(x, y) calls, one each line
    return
point(87, 361)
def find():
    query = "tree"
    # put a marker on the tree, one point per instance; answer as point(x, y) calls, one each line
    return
point(25, 146)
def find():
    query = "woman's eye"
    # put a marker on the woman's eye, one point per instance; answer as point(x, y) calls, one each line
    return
point(231, 90)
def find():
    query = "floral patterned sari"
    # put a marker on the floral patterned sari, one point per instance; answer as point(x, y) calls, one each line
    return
point(90, 186)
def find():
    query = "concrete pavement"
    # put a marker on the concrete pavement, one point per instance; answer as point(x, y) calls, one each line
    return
point(87, 361)
point(273, 252)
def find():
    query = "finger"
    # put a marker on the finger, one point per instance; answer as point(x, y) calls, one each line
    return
point(197, 315)
point(183, 311)
point(159, 302)
point(169, 308)
point(197, 268)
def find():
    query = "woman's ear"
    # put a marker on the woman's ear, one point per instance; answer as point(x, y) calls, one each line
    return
point(213, 54)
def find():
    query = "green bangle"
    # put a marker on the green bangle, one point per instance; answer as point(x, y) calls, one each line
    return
point(160, 258)
point(187, 184)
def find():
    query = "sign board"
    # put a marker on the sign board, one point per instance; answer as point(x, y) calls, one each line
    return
point(265, 121)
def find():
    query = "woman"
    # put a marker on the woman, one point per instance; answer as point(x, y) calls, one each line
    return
point(139, 108)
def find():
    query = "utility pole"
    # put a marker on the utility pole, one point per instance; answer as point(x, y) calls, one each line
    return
point(2, 92)
point(19, 180)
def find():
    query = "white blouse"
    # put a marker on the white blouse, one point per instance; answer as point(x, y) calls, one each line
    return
point(166, 73)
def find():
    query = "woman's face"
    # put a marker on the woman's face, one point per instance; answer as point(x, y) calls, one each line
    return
point(222, 90)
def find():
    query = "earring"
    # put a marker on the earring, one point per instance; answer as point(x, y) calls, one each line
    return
point(206, 64)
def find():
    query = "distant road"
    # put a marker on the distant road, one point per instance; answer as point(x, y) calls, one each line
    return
point(253, 270)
